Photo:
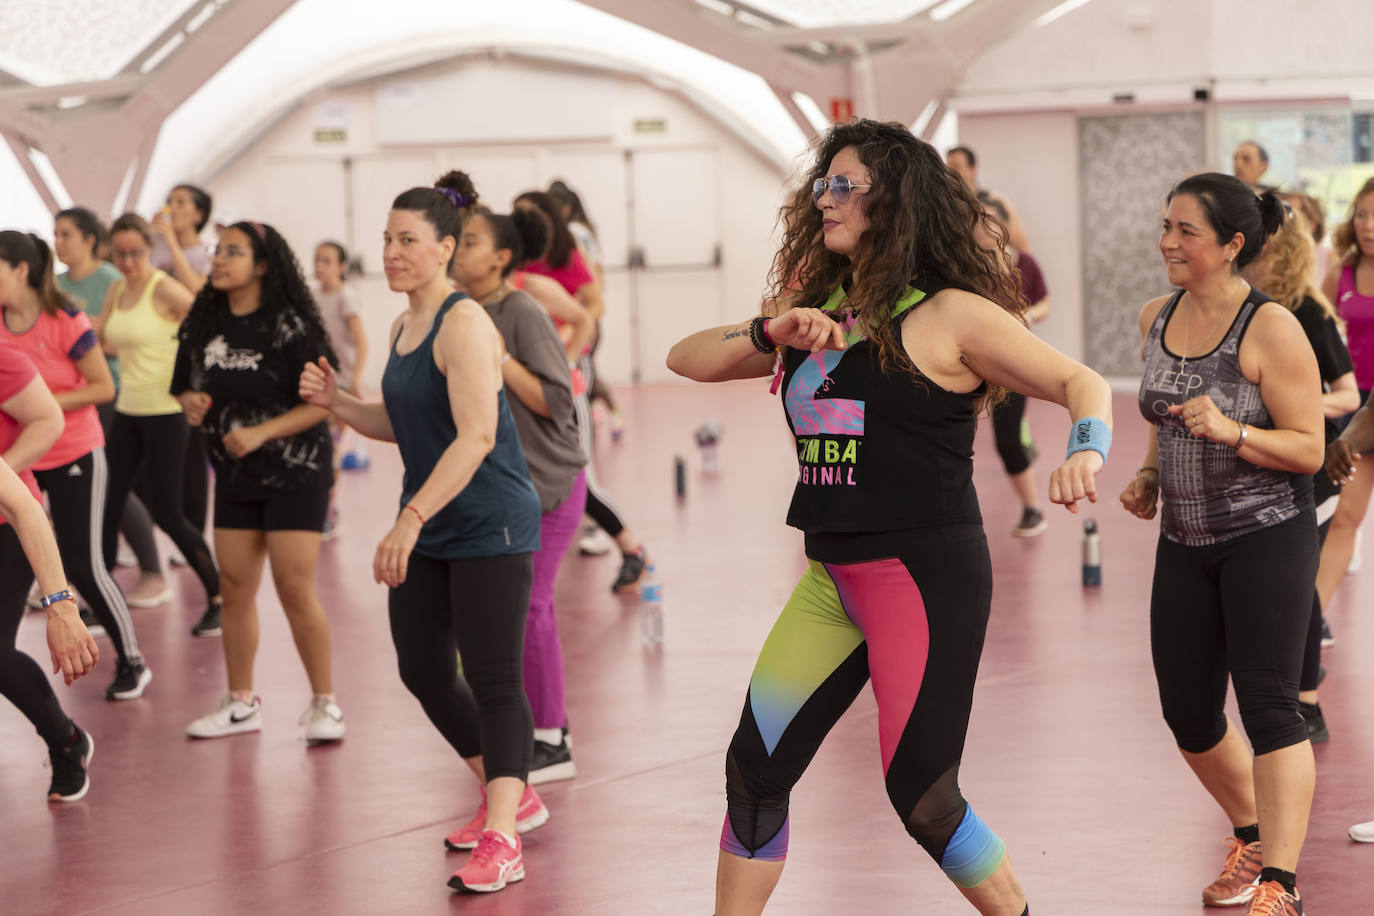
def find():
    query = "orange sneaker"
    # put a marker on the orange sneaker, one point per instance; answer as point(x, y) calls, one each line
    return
point(1270, 899)
point(1236, 883)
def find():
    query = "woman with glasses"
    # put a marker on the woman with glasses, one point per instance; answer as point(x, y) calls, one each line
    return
point(76, 236)
point(890, 329)
point(139, 326)
point(42, 323)
point(564, 263)
point(250, 332)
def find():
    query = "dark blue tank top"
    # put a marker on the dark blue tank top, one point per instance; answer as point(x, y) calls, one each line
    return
point(497, 513)
point(877, 449)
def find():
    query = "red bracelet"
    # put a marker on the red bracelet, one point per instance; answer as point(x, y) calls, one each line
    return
point(417, 513)
point(763, 329)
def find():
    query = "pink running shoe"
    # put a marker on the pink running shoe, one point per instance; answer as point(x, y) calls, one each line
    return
point(528, 816)
point(493, 864)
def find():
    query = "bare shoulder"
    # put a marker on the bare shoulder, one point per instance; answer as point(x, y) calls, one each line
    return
point(1273, 323)
point(1150, 311)
point(960, 306)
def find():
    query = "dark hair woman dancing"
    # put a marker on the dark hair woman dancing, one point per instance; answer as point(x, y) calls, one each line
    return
point(898, 327)
point(457, 559)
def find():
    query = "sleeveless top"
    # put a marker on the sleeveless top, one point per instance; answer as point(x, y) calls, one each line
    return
point(878, 449)
point(146, 344)
point(497, 513)
point(1357, 310)
point(1210, 493)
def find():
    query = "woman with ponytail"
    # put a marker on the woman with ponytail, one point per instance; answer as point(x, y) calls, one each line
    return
point(41, 322)
point(1232, 393)
point(458, 558)
point(251, 329)
point(536, 372)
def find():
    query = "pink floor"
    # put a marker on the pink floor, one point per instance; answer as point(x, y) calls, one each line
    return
point(1068, 758)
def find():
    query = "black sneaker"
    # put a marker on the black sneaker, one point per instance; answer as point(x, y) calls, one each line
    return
point(1328, 638)
point(92, 625)
point(1316, 722)
point(631, 570)
point(551, 762)
point(208, 625)
point(129, 680)
point(70, 781)
point(1032, 523)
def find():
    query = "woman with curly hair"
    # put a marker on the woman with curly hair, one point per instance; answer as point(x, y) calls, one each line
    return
point(251, 330)
point(890, 328)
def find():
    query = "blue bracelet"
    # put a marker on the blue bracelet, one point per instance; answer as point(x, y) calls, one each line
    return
point(55, 597)
point(1090, 433)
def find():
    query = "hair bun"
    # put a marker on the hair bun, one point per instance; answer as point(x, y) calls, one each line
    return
point(457, 187)
point(1272, 212)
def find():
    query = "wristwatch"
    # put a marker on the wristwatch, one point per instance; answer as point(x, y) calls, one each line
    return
point(64, 595)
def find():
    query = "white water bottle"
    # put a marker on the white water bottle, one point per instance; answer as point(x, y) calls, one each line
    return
point(651, 607)
point(1092, 554)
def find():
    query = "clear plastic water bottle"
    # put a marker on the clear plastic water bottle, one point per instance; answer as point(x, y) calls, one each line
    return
point(651, 607)
point(1092, 554)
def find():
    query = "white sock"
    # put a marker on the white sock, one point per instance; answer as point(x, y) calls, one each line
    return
point(549, 735)
point(510, 840)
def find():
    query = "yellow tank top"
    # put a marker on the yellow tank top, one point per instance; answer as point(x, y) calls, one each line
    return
point(146, 344)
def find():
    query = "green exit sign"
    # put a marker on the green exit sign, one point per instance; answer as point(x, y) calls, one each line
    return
point(651, 125)
point(330, 135)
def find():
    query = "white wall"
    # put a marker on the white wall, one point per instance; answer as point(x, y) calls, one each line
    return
point(1033, 159)
point(698, 185)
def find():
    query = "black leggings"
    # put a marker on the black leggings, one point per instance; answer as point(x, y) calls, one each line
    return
point(22, 681)
point(913, 620)
point(1240, 607)
point(600, 506)
point(1009, 432)
point(195, 482)
point(1312, 651)
point(475, 607)
point(159, 445)
point(134, 523)
point(76, 497)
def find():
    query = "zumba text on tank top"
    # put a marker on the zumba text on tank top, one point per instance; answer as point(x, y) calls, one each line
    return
point(1210, 493)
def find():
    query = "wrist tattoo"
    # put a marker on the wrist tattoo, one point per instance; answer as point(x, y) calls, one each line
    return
point(732, 333)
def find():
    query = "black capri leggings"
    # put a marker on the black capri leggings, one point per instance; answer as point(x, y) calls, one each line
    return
point(1009, 432)
point(22, 681)
point(159, 443)
point(474, 607)
point(1240, 607)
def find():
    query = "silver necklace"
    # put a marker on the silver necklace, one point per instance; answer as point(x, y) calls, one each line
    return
point(1187, 335)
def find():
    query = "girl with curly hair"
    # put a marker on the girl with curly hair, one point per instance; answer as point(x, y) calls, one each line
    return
point(890, 328)
point(251, 330)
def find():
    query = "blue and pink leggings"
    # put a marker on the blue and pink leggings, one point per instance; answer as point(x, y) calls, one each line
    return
point(912, 621)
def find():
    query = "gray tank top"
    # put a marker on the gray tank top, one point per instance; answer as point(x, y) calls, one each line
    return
point(1210, 493)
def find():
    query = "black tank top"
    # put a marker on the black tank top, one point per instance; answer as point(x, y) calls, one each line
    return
point(878, 450)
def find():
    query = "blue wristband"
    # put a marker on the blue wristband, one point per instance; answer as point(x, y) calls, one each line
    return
point(55, 597)
point(1090, 433)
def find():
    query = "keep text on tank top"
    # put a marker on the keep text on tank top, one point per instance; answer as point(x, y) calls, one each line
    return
point(146, 344)
point(1357, 311)
point(878, 450)
point(1210, 493)
point(497, 513)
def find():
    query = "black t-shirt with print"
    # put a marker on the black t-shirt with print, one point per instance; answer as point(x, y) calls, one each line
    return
point(251, 369)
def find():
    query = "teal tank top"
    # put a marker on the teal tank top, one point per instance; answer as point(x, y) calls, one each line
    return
point(497, 513)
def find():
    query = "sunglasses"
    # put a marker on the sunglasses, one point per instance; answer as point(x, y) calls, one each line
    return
point(839, 187)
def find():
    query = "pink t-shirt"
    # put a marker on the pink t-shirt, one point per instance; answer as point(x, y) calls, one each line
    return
point(54, 344)
point(573, 275)
point(15, 374)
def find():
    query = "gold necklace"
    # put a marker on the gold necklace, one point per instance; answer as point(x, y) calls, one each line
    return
point(495, 295)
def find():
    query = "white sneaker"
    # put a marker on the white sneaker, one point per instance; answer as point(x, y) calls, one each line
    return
point(35, 601)
point(1363, 833)
point(1355, 555)
point(596, 542)
point(233, 717)
point(323, 721)
point(125, 556)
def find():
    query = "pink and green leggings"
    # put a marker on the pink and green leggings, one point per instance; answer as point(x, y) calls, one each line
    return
point(913, 621)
